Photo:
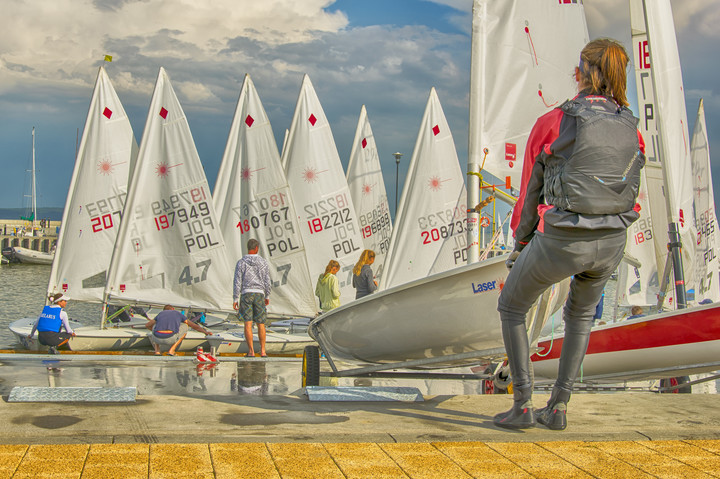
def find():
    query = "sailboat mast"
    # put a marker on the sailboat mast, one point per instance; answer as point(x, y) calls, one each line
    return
point(674, 241)
point(33, 213)
point(477, 66)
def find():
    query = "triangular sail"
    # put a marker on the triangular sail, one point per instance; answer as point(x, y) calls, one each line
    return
point(706, 246)
point(170, 249)
point(328, 222)
point(523, 57)
point(95, 200)
point(663, 123)
point(367, 189)
point(429, 232)
point(253, 200)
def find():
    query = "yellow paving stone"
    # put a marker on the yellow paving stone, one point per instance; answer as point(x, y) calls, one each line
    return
point(10, 457)
point(175, 461)
point(117, 461)
point(422, 460)
point(689, 454)
point(639, 455)
point(303, 460)
point(711, 445)
point(49, 461)
point(592, 460)
point(364, 461)
point(242, 460)
point(480, 461)
point(537, 461)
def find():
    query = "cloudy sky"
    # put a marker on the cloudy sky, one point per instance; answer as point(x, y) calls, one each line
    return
point(386, 54)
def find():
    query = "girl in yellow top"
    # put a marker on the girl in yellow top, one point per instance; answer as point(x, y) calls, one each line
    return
point(328, 287)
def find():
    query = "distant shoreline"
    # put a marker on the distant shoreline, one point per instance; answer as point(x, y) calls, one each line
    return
point(14, 214)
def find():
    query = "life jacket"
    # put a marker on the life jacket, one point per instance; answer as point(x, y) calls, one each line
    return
point(602, 173)
point(49, 319)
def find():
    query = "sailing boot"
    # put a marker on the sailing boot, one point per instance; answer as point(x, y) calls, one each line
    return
point(516, 345)
point(521, 415)
point(553, 416)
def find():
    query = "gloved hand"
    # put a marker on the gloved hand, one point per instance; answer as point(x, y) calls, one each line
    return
point(511, 259)
point(514, 254)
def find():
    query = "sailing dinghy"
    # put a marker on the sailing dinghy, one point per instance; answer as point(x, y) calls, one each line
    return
point(328, 222)
point(452, 314)
point(684, 340)
point(367, 189)
point(91, 219)
point(253, 200)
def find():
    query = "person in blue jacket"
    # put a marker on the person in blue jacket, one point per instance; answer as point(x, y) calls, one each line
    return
point(51, 322)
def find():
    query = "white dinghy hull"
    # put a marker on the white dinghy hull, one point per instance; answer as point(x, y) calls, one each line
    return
point(134, 336)
point(25, 255)
point(445, 314)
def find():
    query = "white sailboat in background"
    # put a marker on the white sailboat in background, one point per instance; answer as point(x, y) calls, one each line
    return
point(680, 341)
point(169, 249)
point(91, 219)
point(96, 198)
point(411, 325)
point(328, 222)
point(253, 200)
point(29, 255)
point(707, 263)
point(367, 189)
point(429, 235)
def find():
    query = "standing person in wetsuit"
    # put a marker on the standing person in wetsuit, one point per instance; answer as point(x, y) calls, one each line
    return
point(50, 323)
point(362, 279)
point(580, 181)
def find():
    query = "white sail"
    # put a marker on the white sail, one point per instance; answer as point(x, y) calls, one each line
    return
point(170, 249)
point(706, 246)
point(95, 200)
point(253, 200)
point(429, 233)
point(663, 124)
point(317, 182)
point(367, 189)
point(521, 69)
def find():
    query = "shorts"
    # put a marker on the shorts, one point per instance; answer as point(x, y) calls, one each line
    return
point(170, 340)
point(252, 308)
point(51, 338)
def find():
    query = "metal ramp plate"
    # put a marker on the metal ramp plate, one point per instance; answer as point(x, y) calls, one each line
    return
point(324, 393)
point(72, 394)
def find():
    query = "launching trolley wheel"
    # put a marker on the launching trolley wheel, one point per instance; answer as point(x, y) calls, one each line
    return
point(311, 366)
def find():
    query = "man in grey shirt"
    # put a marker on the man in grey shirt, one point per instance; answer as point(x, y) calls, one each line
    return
point(252, 286)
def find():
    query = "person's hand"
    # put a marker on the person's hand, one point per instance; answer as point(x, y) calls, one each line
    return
point(73, 334)
point(510, 262)
point(235, 306)
point(267, 301)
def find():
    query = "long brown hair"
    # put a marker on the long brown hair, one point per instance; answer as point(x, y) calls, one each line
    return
point(332, 264)
point(603, 69)
point(365, 258)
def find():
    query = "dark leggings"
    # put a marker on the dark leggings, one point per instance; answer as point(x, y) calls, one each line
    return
point(544, 262)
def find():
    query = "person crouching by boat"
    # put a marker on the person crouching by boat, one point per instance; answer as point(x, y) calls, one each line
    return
point(328, 287)
point(363, 280)
point(169, 328)
point(580, 181)
point(50, 323)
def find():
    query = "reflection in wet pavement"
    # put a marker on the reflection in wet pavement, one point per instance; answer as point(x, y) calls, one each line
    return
point(271, 377)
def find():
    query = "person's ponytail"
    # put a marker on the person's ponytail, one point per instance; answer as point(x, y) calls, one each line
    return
point(603, 67)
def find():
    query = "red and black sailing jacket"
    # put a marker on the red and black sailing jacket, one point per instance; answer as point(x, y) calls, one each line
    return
point(581, 172)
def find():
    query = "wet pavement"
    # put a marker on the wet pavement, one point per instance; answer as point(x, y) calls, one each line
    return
point(250, 418)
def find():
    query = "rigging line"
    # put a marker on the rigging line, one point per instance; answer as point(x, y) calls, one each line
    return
point(540, 93)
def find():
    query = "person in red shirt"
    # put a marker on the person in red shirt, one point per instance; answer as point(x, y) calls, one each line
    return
point(580, 181)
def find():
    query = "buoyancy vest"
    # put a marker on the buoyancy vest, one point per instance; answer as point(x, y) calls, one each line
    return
point(49, 319)
point(601, 175)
